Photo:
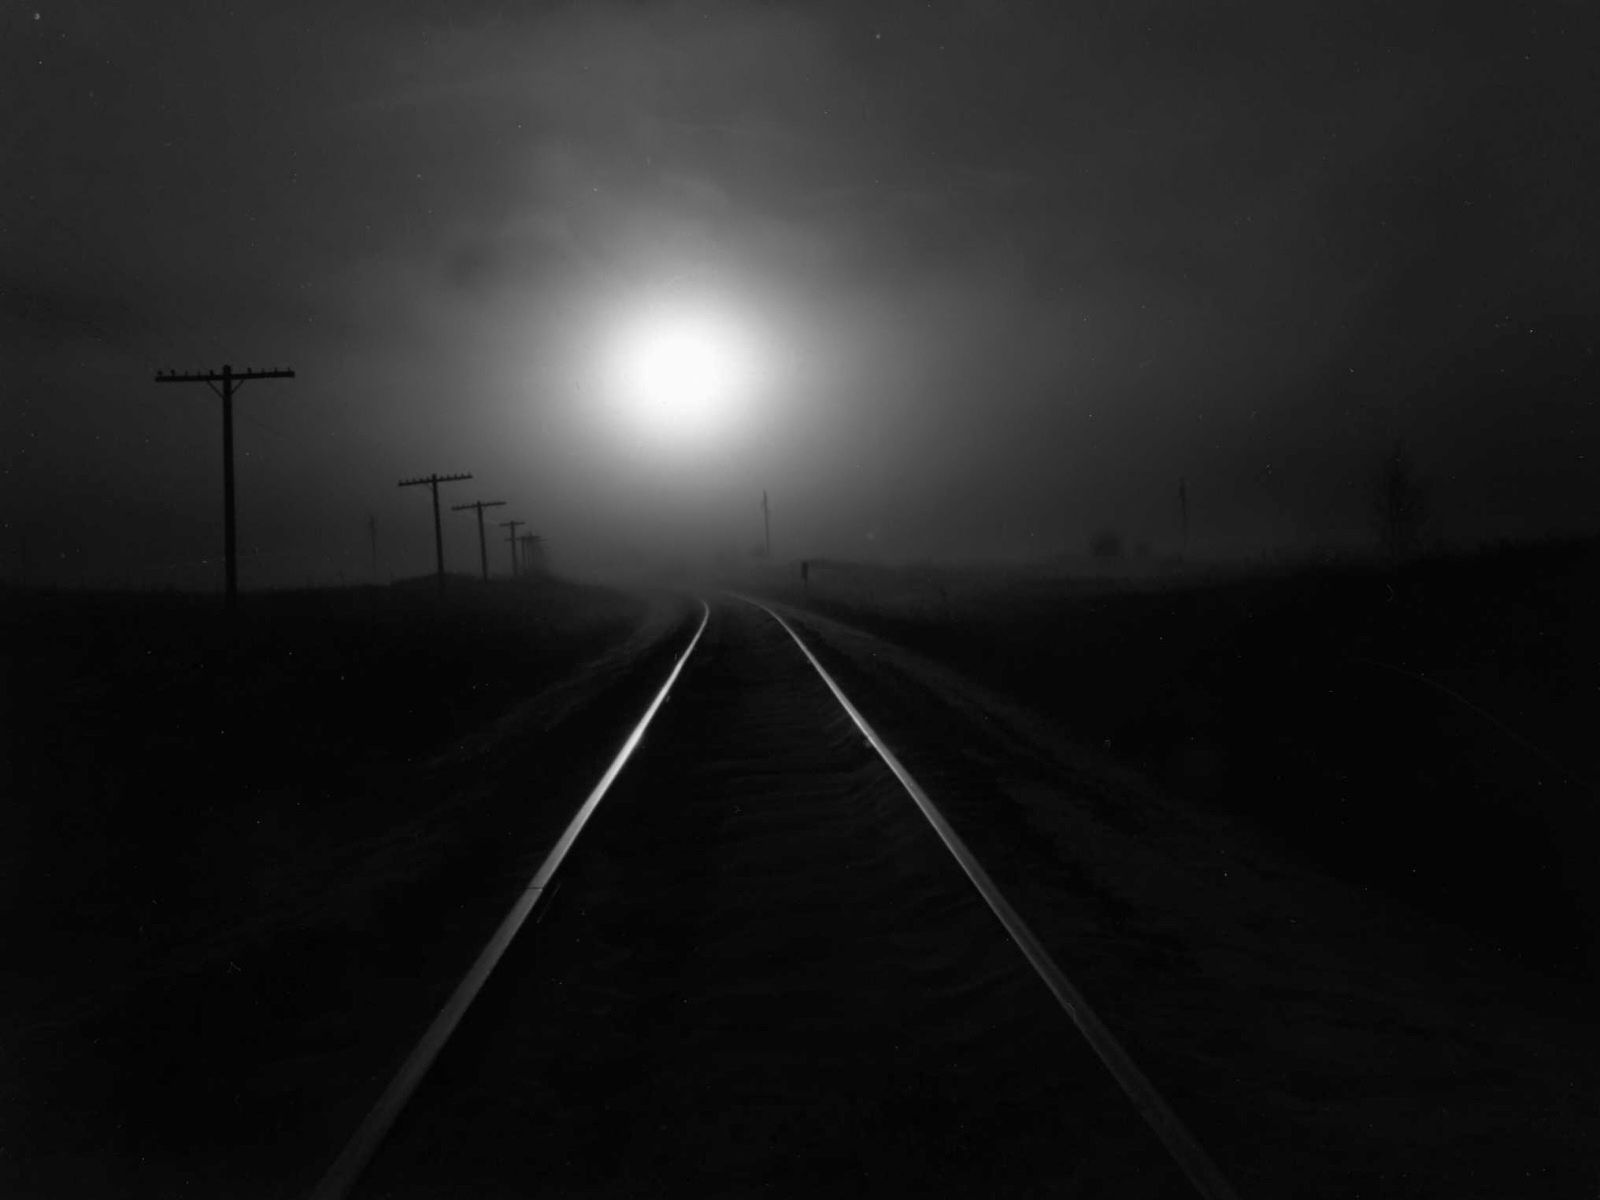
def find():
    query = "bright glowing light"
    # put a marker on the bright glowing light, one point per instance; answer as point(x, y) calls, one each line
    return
point(683, 377)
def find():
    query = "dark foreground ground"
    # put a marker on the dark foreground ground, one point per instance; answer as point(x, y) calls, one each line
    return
point(763, 975)
point(221, 941)
point(242, 859)
point(1347, 930)
point(1426, 730)
point(760, 976)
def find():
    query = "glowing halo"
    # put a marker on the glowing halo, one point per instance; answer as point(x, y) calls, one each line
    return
point(683, 376)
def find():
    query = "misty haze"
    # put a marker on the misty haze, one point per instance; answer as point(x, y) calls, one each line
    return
point(799, 599)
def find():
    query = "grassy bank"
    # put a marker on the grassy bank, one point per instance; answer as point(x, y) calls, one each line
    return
point(1425, 729)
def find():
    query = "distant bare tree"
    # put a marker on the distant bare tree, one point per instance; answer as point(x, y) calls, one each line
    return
point(1399, 504)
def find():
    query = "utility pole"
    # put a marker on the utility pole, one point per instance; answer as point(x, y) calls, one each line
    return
point(512, 538)
point(433, 481)
point(766, 521)
point(1183, 508)
point(483, 545)
point(231, 383)
point(530, 551)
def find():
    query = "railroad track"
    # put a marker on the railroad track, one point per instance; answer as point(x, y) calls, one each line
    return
point(771, 968)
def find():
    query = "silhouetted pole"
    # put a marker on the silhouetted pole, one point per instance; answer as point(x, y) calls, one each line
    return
point(766, 521)
point(230, 384)
point(433, 481)
point(530, 547)
point(512, 538)
point(483, 544)
point(1183, 508)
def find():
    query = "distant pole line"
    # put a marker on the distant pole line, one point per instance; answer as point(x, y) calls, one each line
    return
point(766, 522)
point(530, 548)
point(433, 481)
point(231, 382)
point(483, 544)
point(512, 539)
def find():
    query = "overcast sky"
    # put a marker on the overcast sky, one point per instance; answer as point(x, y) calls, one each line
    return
point(1010, 271)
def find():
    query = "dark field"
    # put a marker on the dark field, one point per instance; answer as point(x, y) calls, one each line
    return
point(246, 860)
point(242, 858)
point(1425, 729)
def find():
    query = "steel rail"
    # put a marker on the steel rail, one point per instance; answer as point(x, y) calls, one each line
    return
point(358, 1151)
point(1528, 745)
point(1195, 1163)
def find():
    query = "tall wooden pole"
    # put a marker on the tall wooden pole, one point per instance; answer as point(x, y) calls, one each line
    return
point(512, 538)
point(433, 481)
point(483, 543)
point(231, 383)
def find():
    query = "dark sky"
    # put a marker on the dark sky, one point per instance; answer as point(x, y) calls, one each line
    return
point(1011, 271)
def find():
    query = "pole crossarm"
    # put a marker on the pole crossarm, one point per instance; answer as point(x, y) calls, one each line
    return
point(219, 376)
point(232, 380)
point(432, 479)
point(479, 504)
